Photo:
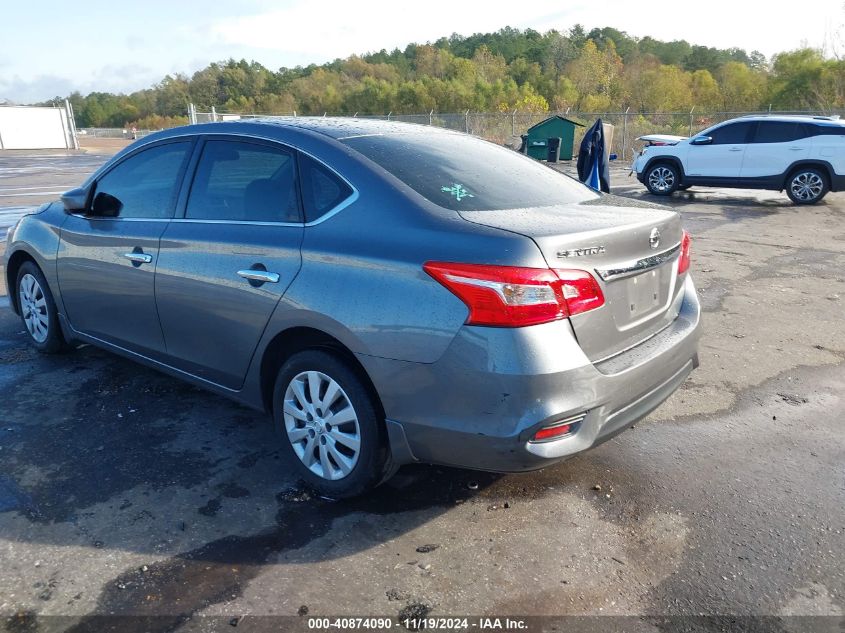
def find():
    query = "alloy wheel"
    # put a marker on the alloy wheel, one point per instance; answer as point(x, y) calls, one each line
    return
point(661, 179)
point(33, 306)
point(322, 425)
point(806, 186)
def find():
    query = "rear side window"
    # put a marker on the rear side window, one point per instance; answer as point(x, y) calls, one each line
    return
point(731, 134)
point(461, 172)
point(244, 182)
point(779, 131)
point(146, 182)
point(829, 130)
point(322, 189)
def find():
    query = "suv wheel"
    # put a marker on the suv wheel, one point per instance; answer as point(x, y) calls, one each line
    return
point(38, 310)
point(807, 185)
point(330, 424)
point(662, 179)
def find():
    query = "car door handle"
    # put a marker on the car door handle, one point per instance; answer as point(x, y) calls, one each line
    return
point(735, 149)
point(796, 149)
point(259, 275)
point(138, 258)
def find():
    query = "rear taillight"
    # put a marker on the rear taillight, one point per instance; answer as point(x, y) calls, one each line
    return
point(510, 296)
point(683, 260)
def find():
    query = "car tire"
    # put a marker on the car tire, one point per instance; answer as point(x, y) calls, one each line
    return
point(807, 185)
point(38, 310)
point(662, 179)
point(338, 460)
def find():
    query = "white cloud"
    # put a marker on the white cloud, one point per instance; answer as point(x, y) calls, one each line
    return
point(330, 29)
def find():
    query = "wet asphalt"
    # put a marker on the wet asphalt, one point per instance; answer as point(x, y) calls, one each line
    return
point(124, 492)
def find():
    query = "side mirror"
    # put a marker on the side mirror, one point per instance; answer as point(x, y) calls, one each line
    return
point(106, 206)
point(75, 199)
point(701, 140)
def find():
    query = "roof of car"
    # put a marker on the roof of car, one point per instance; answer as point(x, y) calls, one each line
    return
point(802, 118)
point(348, 127)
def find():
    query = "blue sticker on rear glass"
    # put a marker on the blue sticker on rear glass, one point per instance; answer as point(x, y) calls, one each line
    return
point(458, 191)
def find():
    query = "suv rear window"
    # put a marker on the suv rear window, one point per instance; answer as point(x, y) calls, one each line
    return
point(779, 131)
point(829, 130)
point(461, 172)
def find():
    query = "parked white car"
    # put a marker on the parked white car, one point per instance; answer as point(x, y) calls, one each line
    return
point(804, 155)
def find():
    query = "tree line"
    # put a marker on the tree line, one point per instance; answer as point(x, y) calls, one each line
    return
point(597, 71)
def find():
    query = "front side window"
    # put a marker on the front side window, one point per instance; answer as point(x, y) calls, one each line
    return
point(146, 183)
point(730, 134)
point(246, 182)
point(461, 172)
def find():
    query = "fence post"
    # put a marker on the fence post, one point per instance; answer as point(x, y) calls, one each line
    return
point(388, 115)
point(690, 120)
point(625, 132)
point(71, 123)
point(431, 118)
point(466, 121)
point(213, 114)
point(192, 113)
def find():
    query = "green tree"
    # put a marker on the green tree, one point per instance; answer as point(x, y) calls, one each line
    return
point(742, 88)
point(705, 90)
point(596, 75)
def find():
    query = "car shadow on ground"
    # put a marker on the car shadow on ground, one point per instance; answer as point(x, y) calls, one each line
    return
point(725, 199)
point(102, 453)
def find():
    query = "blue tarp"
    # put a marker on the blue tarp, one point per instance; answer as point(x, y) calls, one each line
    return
point(593, 166)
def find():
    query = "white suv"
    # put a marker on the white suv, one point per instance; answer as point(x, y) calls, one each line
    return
point(804, 155)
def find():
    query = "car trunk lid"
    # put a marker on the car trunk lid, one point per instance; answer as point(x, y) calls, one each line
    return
point(631, 248)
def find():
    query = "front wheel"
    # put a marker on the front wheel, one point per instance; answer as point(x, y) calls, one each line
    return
point(38, 310)
point(662, 179)
point(806, 186)
point(330, 423)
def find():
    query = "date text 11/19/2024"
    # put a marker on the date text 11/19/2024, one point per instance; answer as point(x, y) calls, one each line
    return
point(417, 624)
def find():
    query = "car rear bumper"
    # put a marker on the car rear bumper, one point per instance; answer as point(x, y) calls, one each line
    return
point(480, 404)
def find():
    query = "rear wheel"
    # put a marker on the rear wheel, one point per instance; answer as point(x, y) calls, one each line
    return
point(38, 310)
point(806, 185)
point(330, 423)
point(662, 179)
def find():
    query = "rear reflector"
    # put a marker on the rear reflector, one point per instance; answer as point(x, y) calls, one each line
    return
point(552, 432)
point(684, 259)
point(559, 428)
point(511, 296)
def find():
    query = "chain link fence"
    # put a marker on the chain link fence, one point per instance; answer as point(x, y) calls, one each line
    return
point(506, 128)
point(112, 132)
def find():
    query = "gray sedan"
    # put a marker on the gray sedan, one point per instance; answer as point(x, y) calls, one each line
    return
point(389, 293)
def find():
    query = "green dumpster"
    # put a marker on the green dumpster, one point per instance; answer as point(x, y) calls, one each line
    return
point(554, 127)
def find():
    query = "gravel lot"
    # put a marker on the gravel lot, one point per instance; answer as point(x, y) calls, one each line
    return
point(126, 493)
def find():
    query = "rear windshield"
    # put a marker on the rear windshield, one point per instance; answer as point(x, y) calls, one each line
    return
point(461, 172)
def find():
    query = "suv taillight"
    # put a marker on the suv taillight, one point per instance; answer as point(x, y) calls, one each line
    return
point(511, 296)
point(683, 260)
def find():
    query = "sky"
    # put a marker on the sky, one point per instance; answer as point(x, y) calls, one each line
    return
point(50, 48)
